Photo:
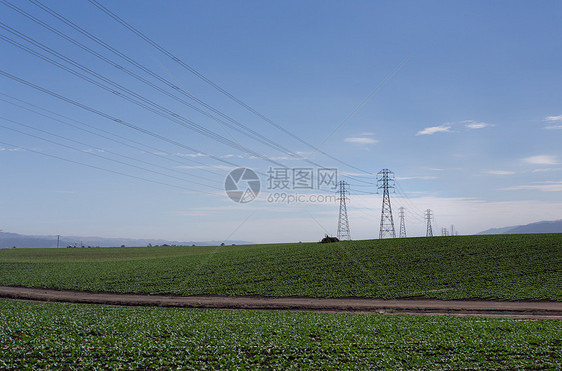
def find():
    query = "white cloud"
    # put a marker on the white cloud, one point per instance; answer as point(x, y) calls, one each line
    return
point(361, 140)
point(500, 172)
point(557, 118)
point(12, 149)
point(541, 160)
point(191, 154)
point(544, 170)
point(281, 158)
point(219, 167)
point(423, 177)
point(446, 127)
point(543, 187)
point(477, 125)
point(435, 129)
point(348, 173)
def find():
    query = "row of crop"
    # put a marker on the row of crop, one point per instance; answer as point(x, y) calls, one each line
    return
point(56, 336)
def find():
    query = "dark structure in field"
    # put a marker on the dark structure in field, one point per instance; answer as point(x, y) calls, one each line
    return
point(328, 239)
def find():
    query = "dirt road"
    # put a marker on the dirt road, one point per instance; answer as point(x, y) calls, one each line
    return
point(516, 309)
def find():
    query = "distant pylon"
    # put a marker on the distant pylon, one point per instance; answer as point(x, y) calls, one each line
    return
point(402, 224)
point(343, 223)
point(429, 231)
point(386, 177)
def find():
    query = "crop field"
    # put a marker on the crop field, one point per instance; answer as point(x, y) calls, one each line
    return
point(504, 267)
point(57, 336)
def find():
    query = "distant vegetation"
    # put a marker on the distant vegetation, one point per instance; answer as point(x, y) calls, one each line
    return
point(66, 336)
point(9, 240)
point(505, 267)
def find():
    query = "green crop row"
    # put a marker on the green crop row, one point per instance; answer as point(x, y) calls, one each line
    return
point(66, 336)
point(505, 267)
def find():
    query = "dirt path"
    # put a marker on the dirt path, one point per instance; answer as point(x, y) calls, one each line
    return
point(517, 309)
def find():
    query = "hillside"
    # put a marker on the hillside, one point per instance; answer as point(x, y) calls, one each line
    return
point(10, 240)
point(508, 267)
point(538, 227)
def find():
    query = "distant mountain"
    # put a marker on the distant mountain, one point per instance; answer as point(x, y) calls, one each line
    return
point(539, 227)
point(9, 240)
point(502, 230)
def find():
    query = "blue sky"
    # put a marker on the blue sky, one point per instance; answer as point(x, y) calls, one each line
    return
point(461, 100)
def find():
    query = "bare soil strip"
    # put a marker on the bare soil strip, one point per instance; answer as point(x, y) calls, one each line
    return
point(506, 309)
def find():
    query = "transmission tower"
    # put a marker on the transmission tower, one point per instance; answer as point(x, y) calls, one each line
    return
point(402, 225)
point(343, 223)
point(429, 231)
point(385, 181)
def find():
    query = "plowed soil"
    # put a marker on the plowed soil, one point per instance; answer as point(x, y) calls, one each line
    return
point(417, 306)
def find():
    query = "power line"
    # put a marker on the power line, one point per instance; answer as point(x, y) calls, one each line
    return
point(103, 169)
point(252, 133)
point(112, 118)
point(246, 130)
point(404, 196)
point(101, 150)
point(121, 141)
point(153, 107)
point(148, 104)
point(211, 83)
point(96, 154)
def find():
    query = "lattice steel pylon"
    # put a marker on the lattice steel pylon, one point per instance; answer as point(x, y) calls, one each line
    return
point(428, 231)
point(402, 223)
point(343, 223)
point(385, 181)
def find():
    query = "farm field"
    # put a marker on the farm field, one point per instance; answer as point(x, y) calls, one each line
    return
point(502, 267)
point(57, 336)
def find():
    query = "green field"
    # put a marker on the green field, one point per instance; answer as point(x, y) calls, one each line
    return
point(505, 267)
point(59, 336)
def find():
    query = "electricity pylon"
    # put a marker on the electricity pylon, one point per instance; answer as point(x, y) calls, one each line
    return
point(428, 231)
point(386, 177)
point(343, 223)
point(402, 224)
